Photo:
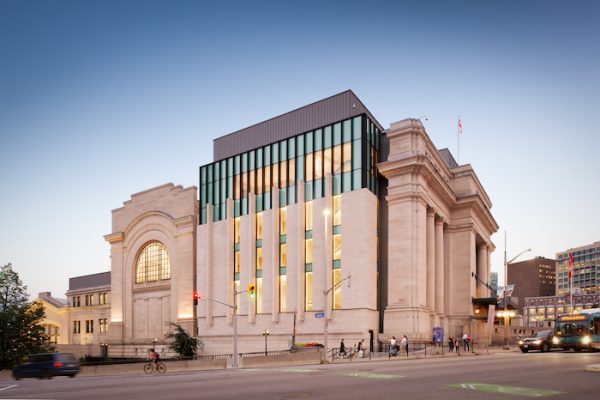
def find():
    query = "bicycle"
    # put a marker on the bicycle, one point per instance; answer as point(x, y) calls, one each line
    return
point(149, 367)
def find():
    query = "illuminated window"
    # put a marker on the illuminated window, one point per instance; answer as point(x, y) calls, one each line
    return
point(236, 230)
point(236, 265)
point(337, 210)
point(103, 325)
point(309, 291)
point(153, 264)
point(275, 169)
point(103, 298)
point(347, 156)
point(283, 175)
point(283, 255)
point(326, 161)
point(318, 164)
point(259, 226)
point(259, 258)
point(259, 292)
point(309, 251)
point(76, 326)
point(282, 293)
point(282, 220)
point(308, 216)
point(237, 290)
point(337, 292)
point(309, 167)
point(337, 159)
point(337, 247)
point(267, 178)
point(292, 172)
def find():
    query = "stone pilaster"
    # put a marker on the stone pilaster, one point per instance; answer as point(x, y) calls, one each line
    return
point(439, 266)
point(431, 272)
point(482, 270)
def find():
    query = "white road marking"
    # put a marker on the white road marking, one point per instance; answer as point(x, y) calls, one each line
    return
point(8, 387)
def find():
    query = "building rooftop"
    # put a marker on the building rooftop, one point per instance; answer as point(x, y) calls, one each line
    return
point(312, 116)
point(89, 281)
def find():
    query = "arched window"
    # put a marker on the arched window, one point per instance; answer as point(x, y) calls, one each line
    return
point(153, 264)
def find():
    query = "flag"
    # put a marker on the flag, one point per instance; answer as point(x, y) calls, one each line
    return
point(459, 125)
point(570, 264)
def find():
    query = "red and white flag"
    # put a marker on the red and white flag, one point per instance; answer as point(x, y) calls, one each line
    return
point(570, 264)
point(459, 126)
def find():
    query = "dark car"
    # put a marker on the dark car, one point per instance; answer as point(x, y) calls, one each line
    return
point(542, 342)
point(47, 365)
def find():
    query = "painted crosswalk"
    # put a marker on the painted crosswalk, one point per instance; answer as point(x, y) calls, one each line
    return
point(512, 390)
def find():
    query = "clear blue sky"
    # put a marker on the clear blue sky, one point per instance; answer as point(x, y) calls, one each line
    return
point(99, 100)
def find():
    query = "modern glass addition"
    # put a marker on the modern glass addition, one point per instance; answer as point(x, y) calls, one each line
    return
point(348, 150)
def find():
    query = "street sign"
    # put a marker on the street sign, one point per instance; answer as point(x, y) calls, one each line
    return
point(438, 334)
point(514, 390)
point(320, 315)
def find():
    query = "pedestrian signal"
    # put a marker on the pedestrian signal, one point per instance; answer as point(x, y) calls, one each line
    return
point(196, 296)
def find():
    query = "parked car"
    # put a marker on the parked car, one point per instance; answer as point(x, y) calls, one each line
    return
point(542, 342)
point(47, 365)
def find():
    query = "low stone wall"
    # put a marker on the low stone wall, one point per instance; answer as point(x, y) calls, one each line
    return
point(186, 365)
point(298, 358)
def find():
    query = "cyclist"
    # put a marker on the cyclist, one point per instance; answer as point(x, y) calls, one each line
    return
point(153, 357)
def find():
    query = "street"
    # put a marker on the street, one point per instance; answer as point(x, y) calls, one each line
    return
point(559, 375)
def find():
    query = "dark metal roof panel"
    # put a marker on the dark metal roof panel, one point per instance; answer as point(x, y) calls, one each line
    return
point(89, 281)
point(324, 112)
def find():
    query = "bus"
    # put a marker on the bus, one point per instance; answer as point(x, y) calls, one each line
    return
point(578, 331)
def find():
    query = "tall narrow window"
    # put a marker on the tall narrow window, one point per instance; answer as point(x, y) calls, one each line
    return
point(236, 230)
point(259, 226)
point(308, 244)
point(337, 210)
point(309, 291)
point(308, 216)
point(337, 292)
point(282, 221)
point(337, 247)
point(282, 293)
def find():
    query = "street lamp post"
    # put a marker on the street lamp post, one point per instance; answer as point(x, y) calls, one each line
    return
point(265, 334)
point(326, 293)
point(505, 313)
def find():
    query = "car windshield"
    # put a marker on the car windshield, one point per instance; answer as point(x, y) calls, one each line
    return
point(543, 334)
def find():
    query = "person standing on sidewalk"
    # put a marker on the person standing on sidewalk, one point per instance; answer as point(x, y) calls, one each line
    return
point(451, 344)
point(404, 344)
point(342, 348)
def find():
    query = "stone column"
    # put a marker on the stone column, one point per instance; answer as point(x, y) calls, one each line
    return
point(482, 270)
point(439, 266)
point(275, 255)
point(431, 270)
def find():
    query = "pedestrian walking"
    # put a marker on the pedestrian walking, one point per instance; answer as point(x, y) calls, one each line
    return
point(451, 344)
point(342, 348)
point(465, 340)
point(456, 344)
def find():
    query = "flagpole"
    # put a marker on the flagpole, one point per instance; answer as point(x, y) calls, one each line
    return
point(458, 139)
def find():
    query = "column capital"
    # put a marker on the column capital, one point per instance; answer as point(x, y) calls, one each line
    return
point(439, 220)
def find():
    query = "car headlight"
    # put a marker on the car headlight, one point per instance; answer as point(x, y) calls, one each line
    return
point(537, 342)
point(520, 342)
point(555, 340)
point(586, 340)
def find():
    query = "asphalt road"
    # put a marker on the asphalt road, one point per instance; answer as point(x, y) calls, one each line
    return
point(556, 375)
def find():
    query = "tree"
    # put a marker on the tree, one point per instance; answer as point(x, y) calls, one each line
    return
point(20, 330)
point(183, 343)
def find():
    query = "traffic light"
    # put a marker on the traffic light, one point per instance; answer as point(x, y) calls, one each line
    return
point(251, 291)
point(196, 296)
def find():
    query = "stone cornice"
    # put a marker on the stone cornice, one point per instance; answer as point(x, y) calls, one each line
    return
point(114, 237)
point(183, 221)
point(475, 202)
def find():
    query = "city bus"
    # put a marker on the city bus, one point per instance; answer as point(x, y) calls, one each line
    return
point(578, 331)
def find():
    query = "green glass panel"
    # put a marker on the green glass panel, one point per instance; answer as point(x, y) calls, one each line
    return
point(203, 195)
point(308, 235)
point(236, 166)
point(236, 246)
point(337, 184)
point(203, 175)
point(236, 208)
point(282, 198)
point(259, 203)
point(210, 173)
point(318, 188)
point(224, 211)
point(300, 168)
point(291, 148)
point(245, 162)
point(327, 137)
point(244, 208)
point(356, 154)
point(259, 158)
point(229, 186)
point(275, 153)
point(259, 273)
point(230, 166)
point(282, 239)
point(319, 139)
point(300, 143)
point(259, 243)
point(337, 229)
point(267, 201)
point(236, 276)
point(282, 271)
point(283, 151)
point(357, 127)
point(309, 143)
point(291, 195)
point(337, 264)
point(267, 150)
point(307, 267)
point(203, 216)
point(252, 165)
point(346, 182)
point(209, 189)
point(356, 179)
point(347, 133)
point(308, 192)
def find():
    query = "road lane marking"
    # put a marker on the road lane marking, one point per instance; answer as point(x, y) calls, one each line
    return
point(298, 370)
point(372, 375)
point(8, 387)
point(514, 390)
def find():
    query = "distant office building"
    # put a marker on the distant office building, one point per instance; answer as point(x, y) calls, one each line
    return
point(542, 311)
point(532, 278)
point(586, 261)
point(494, 282)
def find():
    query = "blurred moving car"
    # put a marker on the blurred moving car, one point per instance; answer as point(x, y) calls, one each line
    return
point(542, 342)
point(47, 365)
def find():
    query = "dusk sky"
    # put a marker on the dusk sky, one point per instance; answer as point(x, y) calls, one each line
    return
point(99, 100)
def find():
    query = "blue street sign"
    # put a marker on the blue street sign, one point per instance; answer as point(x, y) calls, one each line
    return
point(320, 315)
point(438, 334)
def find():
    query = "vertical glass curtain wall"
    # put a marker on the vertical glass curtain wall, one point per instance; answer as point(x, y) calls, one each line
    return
point(349, 150)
